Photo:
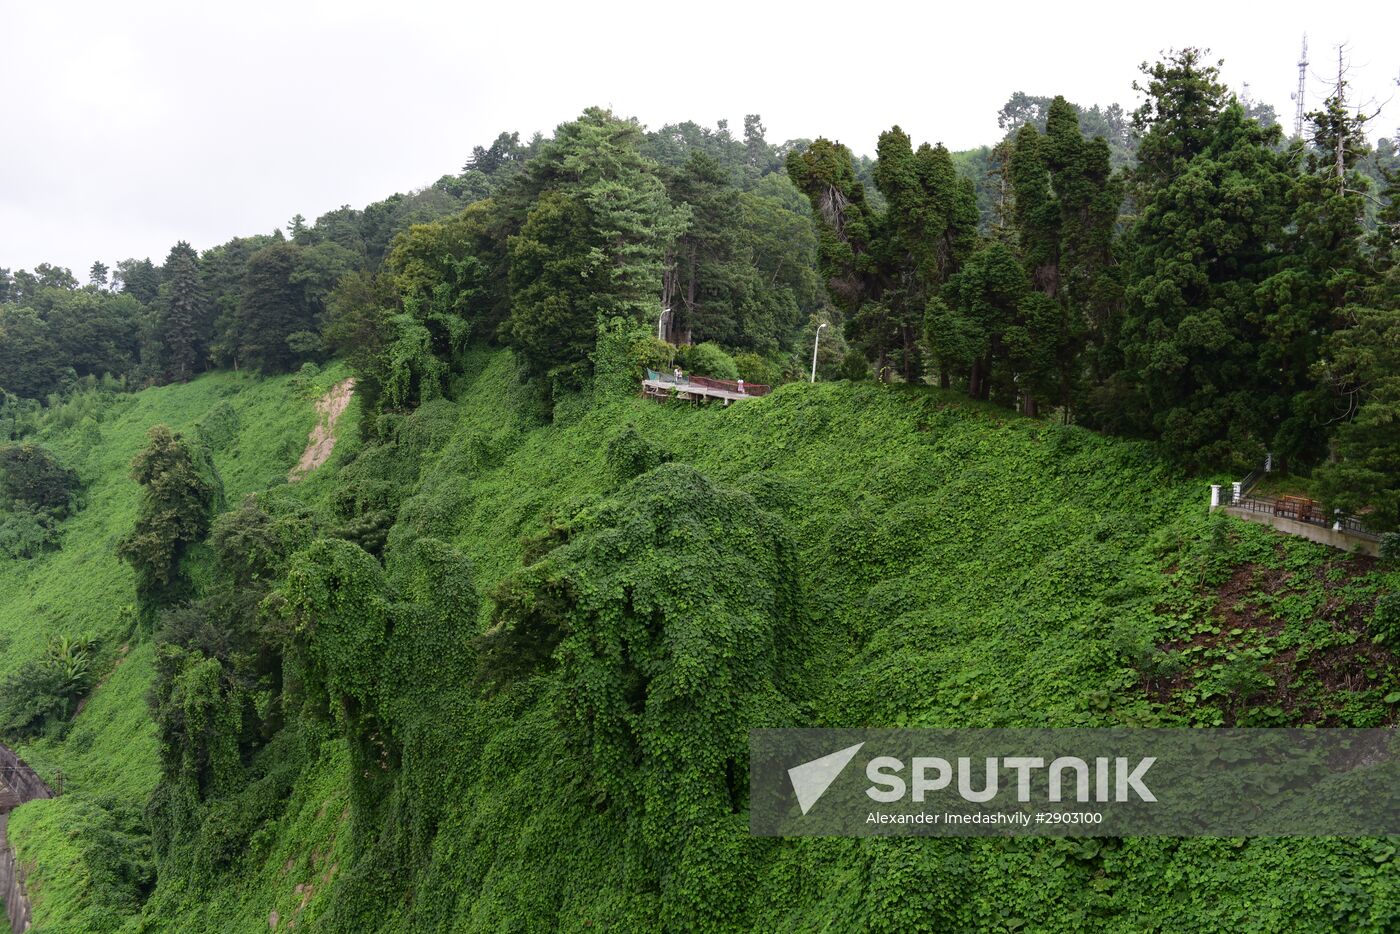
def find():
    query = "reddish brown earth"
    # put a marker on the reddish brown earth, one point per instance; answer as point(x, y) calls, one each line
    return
point(1336, 669)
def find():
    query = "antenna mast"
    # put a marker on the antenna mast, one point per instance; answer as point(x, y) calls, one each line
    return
point(1298, 96)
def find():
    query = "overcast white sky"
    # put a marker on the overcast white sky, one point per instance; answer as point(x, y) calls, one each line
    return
point(130, 125)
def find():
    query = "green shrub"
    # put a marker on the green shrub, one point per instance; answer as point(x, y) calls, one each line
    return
point(1390, 546)
point(39, 697)
point(854, 366)
point(219, 426)
point(1385, 621)
point(755, 369)
point(629, 454)
point(26, 531)
point(621, 354)
point(707, 359)
point(180, 491)
point(31, 476)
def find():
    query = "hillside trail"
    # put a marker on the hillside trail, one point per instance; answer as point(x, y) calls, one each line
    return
point(321, 442)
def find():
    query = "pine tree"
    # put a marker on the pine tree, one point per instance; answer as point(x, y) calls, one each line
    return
point(1214, 199)
point(596, 228)
point(271, 308)
point(185, 316)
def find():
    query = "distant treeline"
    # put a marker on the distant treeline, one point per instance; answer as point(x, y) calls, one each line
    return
point(1182, 273)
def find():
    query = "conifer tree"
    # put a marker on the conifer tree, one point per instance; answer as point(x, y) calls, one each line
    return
point(708, 289)
point(596, 227)
point(883, 268)
point(931, 227)
point(271, 307)
point(184, 318)
point(1324, 273)
point(1066, 206)
point(1214, 198)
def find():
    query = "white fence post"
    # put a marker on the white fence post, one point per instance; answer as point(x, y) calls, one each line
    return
point(1214, 496)
point(1235, 494)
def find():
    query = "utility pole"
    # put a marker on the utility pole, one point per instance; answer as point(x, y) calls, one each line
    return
point(1299, 95)
point(815, 341)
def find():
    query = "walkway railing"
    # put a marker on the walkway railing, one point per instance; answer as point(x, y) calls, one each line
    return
point(1297, 508)
point(1303, 510)
point(704, 382)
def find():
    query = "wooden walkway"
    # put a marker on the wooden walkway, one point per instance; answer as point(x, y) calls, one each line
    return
point(700, 388)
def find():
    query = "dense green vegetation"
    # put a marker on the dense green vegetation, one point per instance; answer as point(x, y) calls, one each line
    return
point(1181, 273)
point(481, 729)
point(493, 665)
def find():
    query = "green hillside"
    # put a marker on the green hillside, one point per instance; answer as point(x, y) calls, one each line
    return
point(107, 760)
point(651, 582)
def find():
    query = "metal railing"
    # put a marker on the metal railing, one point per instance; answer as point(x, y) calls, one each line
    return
point(1303, 510)
point(1251, 480)
point(705, 382)
point(1297, 508)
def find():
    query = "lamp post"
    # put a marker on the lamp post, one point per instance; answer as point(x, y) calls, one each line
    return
point(815, 342)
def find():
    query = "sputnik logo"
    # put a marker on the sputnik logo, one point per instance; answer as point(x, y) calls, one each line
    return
point(810, 780)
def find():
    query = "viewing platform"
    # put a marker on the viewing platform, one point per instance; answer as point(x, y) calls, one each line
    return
point(700, 388)
point(1293, 515)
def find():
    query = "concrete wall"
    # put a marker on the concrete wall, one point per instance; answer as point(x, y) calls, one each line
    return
point(26, 785)
point(1323, 536)
point(24, 781)
point(12, 882)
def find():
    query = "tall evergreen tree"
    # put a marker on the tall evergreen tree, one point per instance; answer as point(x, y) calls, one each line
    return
point(1214, 197)
point(185, 316)
point(139, 277)
point(931, 224)
point(883, 266)
point(711, 286)
point(596, 228)
point(1325, 272)
point(1066, 206)
point(271, 309)
point(553, 266)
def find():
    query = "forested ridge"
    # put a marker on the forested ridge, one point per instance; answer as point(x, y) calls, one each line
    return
point(493, 665)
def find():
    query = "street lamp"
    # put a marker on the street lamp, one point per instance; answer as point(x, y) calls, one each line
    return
point(816, 341)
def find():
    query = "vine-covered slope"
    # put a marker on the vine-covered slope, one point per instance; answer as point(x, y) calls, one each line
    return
point(255, 429)
point(533, 711)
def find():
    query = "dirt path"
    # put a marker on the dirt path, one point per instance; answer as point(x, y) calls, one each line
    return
point(321, 441)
